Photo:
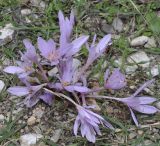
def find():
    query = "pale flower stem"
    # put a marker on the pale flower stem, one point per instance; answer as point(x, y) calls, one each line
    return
point(43, 72)
point(104, 97)
point(76, 97)
point(61, 95)
point(83, 100)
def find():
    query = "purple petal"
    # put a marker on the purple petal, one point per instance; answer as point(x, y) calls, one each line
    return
point(143, 86)
point(46, 47)
point(76, 125)
point(30, 101)
point(67, 71)
point(101, 46)
point(133, 117)
point(81, 89)
point(146, 109)
point(76, 45)
point(30, 54)
point(116, 81)
point(57, 86)
point(145, 99)
point(47, 98)
point(13, 70)
point(18, 90)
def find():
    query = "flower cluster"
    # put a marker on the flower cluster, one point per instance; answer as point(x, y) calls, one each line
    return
point(32, 71)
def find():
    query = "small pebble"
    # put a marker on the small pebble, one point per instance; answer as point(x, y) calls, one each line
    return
point(2, 118)
point(139, 41)
point(31, 121)
point(132, 135)
point(1, 85)
point(25, 12)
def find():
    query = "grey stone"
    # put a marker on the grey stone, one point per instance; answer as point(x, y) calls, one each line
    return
point(6, 34)
point(107, 28)
point(2, 85)
point(140, 58)
point(117, 24)
point(155, 70)
point(132, 135)
point(56, 135)
point(158, 105)
point(26, 12)
point(139, 41)
point(2, 118)
point(151, 43)
point(30, 139)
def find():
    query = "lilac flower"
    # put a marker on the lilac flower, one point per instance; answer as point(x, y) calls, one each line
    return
point(139, 104)
point(88, 122)
point(30, 54)
point(32, 94)
point(48, 50)
point(67, 48)
point(115, 81)
point(24, 69)
point(67, 72)
point(96, 51)
point(66, 27)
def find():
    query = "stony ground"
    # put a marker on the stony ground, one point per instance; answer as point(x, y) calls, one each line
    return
point(135, 29)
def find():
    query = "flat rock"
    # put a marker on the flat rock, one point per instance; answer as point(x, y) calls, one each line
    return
point(140, 58)
point(155, 70)
point(151, 43)
point(30, 139)
point(139, 41)
point(117, 24)
point(158, 104)
point(26, 12)
point(2, 85)
point(2, 117)
point(6, 34)
point(31, 121)
point(56, 135)
point(107, 28)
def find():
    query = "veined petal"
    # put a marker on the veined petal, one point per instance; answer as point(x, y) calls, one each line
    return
point(47, 98)
point(76, 125)
point(101, 46)
point(146, 109)
point(30, 54)
point(76, 45)
point(13, 70)
point(46, 47)
point(116, 81)
point(133, 117)
point(145, 99)
point(18, 90)
point(30, 101)
point(81, 89)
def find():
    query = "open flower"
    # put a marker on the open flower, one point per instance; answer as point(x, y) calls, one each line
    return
point(31, 93)
point(114, 81)
point(22, 70)
point(67, 48)
point(88, 122)
point(96, 51)
point(66, 73)
point(30, 55)
point(140, 103)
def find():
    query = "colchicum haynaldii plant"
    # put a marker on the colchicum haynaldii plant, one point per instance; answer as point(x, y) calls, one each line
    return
point(38, 85)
